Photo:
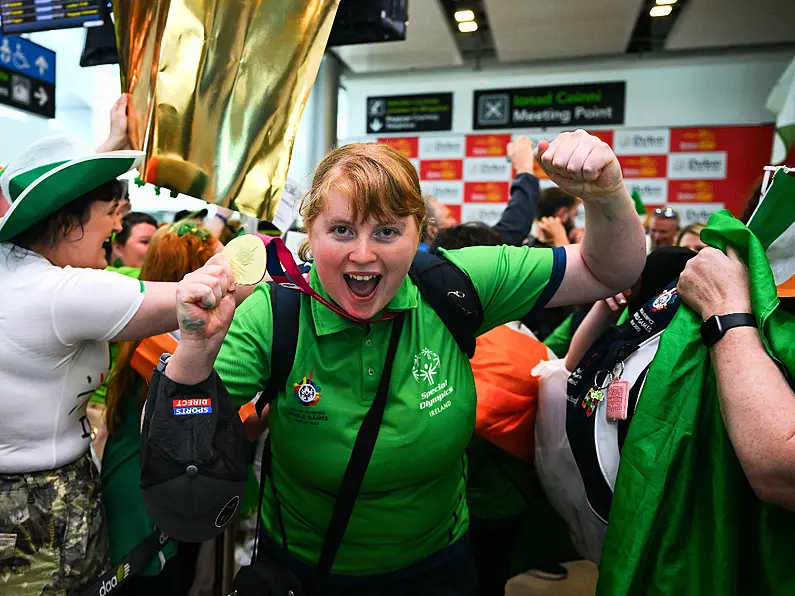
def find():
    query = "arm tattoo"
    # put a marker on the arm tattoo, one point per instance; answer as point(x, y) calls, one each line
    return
point(189, 324)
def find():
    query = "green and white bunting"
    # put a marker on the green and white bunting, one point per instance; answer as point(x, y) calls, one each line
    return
point(773, 223)
point(782, 103)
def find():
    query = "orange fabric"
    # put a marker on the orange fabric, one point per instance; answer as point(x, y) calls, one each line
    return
point(148, 353)
point(787, 289)
point(507, 392)
point(253, 424)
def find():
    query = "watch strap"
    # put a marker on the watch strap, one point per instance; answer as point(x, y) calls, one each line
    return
point(714, 328)
point(161, 365)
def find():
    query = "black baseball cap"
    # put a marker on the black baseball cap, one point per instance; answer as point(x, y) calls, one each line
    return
point(194, 458)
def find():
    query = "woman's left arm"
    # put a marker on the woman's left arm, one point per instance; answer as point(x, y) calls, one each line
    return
point(756, 402)
point(613, 251)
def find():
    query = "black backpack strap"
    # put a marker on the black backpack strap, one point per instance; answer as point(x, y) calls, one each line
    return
point(452, 295)
point(357, 464)
point(285, 308)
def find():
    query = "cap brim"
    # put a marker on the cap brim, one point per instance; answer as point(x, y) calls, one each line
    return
point(193, 509)
point(60, 186)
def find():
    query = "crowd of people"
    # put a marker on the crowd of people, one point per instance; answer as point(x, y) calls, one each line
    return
point(508, 392)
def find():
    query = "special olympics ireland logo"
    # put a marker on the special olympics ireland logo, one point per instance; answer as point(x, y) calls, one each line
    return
point(426, 366)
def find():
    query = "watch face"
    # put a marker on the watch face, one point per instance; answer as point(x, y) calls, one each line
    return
point(710, 331)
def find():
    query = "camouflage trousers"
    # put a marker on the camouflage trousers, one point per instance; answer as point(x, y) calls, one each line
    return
point(53, 538)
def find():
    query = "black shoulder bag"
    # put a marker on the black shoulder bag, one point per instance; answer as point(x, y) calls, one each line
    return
point(264, 577)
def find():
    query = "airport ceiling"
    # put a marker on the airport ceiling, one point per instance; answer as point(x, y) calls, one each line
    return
point(525, 31)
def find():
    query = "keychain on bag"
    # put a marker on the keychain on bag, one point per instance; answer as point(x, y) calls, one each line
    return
point(598, 392)
point(617, 395)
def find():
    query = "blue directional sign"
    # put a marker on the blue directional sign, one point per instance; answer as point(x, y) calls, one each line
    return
point(27, 76)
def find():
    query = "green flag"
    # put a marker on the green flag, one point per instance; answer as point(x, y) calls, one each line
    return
point(684, 519)
point(639, 206)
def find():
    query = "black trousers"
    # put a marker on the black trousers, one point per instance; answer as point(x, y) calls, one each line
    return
point(493, 541)
point(167, 582)
point(450, 572)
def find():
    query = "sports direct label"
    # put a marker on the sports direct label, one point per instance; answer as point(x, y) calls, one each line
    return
point(187, 407)
point(189, 403)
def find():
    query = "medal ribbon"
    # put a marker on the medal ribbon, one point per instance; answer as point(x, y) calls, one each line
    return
point(283, 270)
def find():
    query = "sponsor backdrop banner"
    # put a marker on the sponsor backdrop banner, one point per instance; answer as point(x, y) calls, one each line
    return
point(696, 171)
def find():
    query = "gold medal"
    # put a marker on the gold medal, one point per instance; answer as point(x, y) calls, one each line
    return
point(246, 255)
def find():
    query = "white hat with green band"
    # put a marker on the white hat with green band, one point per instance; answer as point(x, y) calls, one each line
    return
point(52, 173)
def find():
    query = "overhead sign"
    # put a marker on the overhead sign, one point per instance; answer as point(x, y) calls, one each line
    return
point(27, 16)
point(560, 106)
point(410, 113)
point(27, 76)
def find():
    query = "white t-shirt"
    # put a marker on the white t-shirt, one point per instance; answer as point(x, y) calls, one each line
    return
point(54, 327)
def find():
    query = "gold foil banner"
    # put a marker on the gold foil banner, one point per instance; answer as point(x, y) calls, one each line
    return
point(218, 88)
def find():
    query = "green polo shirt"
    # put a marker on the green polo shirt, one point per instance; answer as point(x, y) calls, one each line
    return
point(413, 501)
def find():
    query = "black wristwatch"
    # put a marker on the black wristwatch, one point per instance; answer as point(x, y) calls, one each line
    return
point(715, 327)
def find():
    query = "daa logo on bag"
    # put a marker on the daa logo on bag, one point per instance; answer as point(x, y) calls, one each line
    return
point(122, 573)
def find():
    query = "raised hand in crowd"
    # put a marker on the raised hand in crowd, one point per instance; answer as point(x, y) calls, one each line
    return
point(553, 231)
point(120, 136)
point(520, 152)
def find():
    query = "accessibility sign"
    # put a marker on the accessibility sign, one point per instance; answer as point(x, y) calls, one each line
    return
point(410, 113)
point(27, 76)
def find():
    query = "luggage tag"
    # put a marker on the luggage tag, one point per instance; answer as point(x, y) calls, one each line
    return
point(596, 393)
point(617, 395)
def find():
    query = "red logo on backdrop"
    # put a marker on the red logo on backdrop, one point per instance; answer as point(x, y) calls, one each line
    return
point(603, 135)
point(190, 403)
point(441, 169)
point(693, 139)
point(646, 166)
point(455, 212)
point(408, 146)
point(486, 192)
point(747, 149)
point(487, 145)
point(691, 191)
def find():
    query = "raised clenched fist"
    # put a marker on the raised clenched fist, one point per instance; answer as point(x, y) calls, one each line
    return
point(582, 165)
point(206, 301)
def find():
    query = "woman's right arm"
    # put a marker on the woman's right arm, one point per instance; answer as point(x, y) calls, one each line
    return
point(602, 314)
point(205, 306)
point(158, 311)
point(236, 343)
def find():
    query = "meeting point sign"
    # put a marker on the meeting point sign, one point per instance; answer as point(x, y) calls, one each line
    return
point(559, 106)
